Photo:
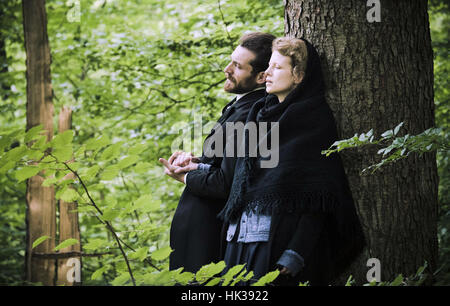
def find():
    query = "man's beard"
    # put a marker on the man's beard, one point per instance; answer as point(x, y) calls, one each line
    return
point(244, 86)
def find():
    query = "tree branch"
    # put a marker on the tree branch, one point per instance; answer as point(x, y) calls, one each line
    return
point(67, 255)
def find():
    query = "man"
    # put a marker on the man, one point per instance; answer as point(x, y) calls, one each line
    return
point(196, 230)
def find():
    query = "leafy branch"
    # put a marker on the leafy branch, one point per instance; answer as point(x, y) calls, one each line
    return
point(41, 155)
point(395, 147)
point(106, 223)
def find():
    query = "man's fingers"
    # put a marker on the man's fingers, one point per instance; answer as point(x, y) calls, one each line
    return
point(179, 161)
point(185, 162)
point(184, 169)
point(166, 164)
point(173, 156)
point(183, 159)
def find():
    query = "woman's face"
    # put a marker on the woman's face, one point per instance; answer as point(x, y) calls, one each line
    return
point(280, 80)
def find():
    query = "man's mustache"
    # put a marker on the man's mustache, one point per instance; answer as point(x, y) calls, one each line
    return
point(230, 78)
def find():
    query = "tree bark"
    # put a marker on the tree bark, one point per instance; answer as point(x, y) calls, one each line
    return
point(41, 212)
point(377, 75)
point(68, 219)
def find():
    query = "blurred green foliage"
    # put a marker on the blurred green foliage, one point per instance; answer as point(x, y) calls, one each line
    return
point(135, 73)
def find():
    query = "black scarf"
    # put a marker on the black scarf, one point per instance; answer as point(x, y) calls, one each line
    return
point(304, 180)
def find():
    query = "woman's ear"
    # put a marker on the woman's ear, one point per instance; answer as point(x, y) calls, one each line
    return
point(298, 77)
point(261, 78)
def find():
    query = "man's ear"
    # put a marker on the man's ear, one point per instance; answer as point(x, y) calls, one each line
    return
point(260, 78)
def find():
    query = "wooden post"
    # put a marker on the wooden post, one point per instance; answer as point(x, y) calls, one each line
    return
point(41, 212)
point(68, 222)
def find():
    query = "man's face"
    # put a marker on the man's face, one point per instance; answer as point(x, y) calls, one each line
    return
point(239, 72)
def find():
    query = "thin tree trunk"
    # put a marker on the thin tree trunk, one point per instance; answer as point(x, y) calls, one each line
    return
point(5, 86)
point(68, 220)
point(378, 75)
point(41, 212)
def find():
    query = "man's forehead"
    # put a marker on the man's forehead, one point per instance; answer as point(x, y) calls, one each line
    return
point(242, 55)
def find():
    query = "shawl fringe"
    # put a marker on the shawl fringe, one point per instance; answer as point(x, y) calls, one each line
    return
point(277, 202)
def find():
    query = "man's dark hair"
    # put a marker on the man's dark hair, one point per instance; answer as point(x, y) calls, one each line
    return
point(260, 44)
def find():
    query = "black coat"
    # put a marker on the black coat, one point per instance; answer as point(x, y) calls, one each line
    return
point(195, 230)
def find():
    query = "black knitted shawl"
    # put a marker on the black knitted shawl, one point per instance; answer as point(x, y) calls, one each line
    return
point(304, 180)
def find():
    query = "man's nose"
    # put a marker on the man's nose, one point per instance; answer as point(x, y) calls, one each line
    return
point(227, 68)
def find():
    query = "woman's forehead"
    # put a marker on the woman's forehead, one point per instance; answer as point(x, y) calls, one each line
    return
point(278, 58)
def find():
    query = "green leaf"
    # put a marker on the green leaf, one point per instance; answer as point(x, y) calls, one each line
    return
point(49, 181)
point(63, 139)
point(74, 165)
point(26, 172)
point(213, 282)
point(349, 281)
point(69, 195)
point(397, 281)
point(63, 153)
point(210, 270)
point(41, 143)
point(110, 172)
point(39, 241)
point(99, 272)
point(161, 254)
point(248, 276)
point(16, 154)
point(110, 214)
point(5, 141)
point(137, 149)
point(33, 133)
point(79, 154)
point(66, 243)
point(113, 151)
point(240, 277)
point(97, 143)
point(397, 128)
point(35, 155)
point(91, 172)
point(268, 278)
point(127, 161)
point(8, 166)
point(146, 204)
point(140, 254)
point(95, 244)
point(387, 134)
point(151, 206)
point(161, 278)
point(184, 278)
point(48, 159)
point(121, 279)
point(142, 167)
point(232, 272)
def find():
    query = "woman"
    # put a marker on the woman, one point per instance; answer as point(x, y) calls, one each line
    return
point(299, 216)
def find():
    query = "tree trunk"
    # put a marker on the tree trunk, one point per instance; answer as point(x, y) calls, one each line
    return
point(4, 83)
point(68, 222)
point(41, 212)
point(377, 75)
